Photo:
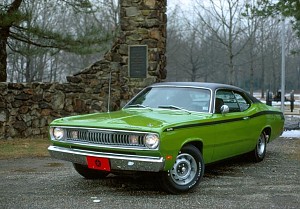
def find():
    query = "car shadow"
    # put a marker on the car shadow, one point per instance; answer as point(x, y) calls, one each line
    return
point(140, 183)
point(229, 166)
point(137, 184)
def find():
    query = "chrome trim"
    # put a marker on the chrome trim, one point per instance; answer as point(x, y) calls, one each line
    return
point(105, 146)
point(118, 162)
point(92, 143)
point(103, 129)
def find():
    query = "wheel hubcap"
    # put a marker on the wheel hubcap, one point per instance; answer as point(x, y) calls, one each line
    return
point(261, 146)
point(184, 169)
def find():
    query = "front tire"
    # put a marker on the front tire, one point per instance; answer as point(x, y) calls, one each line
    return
point(259, 153)
point(186, 172)
point(88, 173)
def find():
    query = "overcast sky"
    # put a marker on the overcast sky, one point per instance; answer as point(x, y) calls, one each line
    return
point(172, 3)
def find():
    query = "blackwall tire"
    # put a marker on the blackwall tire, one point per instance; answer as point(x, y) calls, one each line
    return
point(259, 153)
point(186, 172)
point(88, 173)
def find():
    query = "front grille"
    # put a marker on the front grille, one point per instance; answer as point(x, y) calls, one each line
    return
point(104, 137)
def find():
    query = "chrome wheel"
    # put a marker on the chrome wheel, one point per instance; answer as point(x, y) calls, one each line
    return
point(261, 146)
point(184, 169)
point(186, 173)
point(259, 153)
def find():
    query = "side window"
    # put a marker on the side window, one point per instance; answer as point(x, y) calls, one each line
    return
point(235, 101)
point(244, 105)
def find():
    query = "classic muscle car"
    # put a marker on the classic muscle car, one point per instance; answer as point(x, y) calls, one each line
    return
point(171, 128)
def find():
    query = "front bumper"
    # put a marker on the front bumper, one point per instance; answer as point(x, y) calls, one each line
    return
point(118, 162)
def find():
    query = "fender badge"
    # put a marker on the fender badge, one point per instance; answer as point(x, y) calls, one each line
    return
point(170, 129)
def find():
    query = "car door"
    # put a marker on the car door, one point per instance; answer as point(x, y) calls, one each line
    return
point(232, 129)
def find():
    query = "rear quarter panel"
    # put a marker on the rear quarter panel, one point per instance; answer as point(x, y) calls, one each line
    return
point(268, 117)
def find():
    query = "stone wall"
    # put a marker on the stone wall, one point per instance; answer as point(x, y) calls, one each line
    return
point(26, 109)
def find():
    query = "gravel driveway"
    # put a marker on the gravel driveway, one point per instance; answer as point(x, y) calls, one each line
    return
point(49, 183)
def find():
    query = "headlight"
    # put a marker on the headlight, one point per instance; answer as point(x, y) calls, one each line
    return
point(152, 141)
point(58, 133)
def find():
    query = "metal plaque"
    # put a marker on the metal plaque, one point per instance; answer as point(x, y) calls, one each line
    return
point(138, 61)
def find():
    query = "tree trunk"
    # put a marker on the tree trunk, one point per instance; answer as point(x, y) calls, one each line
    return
point(252, 65)
point(28, 76)
point(4, 34)
point(251, 79)
point(3, 56)
point(231, 71)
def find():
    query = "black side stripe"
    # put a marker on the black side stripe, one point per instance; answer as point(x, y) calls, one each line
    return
point(269, 112)
point(226, 121)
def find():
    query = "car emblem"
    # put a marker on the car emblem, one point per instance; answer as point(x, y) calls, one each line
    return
point(150, 125)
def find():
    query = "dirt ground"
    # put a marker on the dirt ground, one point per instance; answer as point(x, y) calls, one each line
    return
point(236, 183)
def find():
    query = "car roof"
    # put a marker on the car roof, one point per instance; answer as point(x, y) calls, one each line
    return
point(212, 86)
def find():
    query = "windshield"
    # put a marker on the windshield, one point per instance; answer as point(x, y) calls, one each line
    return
point(181, 98)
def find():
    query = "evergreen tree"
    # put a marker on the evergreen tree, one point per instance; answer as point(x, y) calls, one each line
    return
point(16, 26)
point(287, 8)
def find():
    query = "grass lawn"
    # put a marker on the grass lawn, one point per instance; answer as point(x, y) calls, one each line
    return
point(18, 148)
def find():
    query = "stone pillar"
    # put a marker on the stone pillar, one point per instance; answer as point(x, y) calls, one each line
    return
point(142, 22)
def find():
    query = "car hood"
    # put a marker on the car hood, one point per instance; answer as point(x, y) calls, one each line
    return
point(155, 120)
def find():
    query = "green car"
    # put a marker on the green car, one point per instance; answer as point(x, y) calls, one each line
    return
point(171, 128)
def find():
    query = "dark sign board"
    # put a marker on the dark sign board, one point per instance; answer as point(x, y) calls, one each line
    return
point(138, 61)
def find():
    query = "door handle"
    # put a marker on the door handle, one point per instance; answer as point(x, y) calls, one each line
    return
point(246, 118)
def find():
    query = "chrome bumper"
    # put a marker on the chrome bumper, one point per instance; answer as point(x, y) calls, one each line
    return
point(117, 161)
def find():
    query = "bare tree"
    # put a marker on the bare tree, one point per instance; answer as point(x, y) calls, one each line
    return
point(252, 46)
point(186, 49)
point(222, 18)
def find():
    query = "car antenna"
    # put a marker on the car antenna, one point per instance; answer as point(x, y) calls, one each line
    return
point(109, 92)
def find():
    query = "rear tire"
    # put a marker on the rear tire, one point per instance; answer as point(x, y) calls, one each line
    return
point(88, 173)
point(259, 153)
point(186, 172)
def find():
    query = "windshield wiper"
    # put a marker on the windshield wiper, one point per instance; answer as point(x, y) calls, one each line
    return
point(138, 106)
point(174, 107)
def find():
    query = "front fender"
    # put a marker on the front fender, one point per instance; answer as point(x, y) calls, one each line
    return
point(172, 142)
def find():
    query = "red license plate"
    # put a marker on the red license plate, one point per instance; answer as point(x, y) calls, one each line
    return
point(98, 163)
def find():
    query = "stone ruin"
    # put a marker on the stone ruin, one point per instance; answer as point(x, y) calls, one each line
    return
point(26, 109)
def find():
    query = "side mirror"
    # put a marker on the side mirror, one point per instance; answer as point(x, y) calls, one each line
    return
point(224, 109)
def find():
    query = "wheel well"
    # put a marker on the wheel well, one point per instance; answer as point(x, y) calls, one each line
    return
point(197, 144)
point(267, 132)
